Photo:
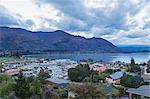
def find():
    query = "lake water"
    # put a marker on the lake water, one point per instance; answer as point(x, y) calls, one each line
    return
point(107, 57)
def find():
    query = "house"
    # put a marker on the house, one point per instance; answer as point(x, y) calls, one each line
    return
point(12, 72)
point(57, 81)
point(145, 75)
point(98, 67)
point(146, 78)
point(101, 69)
point(143, 91)
point(28, 73)
point(115, 77)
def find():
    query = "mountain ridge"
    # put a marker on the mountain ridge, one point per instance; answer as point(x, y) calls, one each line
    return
point(22, 39)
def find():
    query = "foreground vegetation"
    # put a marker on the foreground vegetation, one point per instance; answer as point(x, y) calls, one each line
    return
point(22, 87)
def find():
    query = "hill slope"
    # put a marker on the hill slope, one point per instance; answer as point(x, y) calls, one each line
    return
point(21, 39)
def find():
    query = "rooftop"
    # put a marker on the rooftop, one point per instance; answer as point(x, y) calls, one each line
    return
point(117, 75)
point(143, 90)
point(57, 80)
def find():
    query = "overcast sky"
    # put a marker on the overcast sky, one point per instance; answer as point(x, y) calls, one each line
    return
point(119, 21)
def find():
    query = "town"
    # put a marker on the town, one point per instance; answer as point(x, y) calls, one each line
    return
point(64, 78)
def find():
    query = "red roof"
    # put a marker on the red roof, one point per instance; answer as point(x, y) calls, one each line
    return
point(12, 71)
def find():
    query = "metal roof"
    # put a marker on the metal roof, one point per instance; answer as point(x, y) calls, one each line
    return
point(57, 80)
point(117, 75)
point(143, 90)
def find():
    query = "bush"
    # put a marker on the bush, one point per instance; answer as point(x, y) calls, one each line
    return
point(115, 93)
point(6, 85)
point(131, 81)
point(102, 76)
point(121, 89)
point(63, 93)
point(6, 88)
point(87, 91)
point(4, 77)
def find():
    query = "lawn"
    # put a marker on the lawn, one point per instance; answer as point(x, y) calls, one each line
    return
point(8, 59)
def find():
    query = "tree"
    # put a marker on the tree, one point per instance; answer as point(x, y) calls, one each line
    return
point(36, 88)
point(30, 79)
point(87, 79)
point(22, 88)
point(102, 76)
point(87, 91)
point(109, 71)
point(131, 81)
point(132, 61)
point(6, 85)
point(134, 67)
point(74, 75)
point(148, 66)
point(42, 76)
point(94, 77)
point(79, 73)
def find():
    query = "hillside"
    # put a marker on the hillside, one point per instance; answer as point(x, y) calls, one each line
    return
point(21, 39)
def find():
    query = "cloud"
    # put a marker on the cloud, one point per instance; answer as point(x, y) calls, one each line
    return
point(29, 22)
point(6, 18)
point(119, 21)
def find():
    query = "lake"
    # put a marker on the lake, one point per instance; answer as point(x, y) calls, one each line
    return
point(107, 57)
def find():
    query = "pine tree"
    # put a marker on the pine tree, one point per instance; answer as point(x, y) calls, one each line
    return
point(134, 67)
point(36, 88)
point(22, 88)
point(42, 76)
point(132, 62)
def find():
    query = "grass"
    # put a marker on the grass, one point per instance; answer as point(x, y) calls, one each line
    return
point(8, 59)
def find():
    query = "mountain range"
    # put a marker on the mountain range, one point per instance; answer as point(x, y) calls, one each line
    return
point(134, 48)
point(21, 39)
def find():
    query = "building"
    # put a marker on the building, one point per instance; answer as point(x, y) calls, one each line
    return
point(98, 67)
point(143, 91)
point(58, 82)
point(12, 72)
point(115, 77)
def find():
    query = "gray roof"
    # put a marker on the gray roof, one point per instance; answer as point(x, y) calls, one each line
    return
point(58, 81)
point(146, 78)
point(143, 90)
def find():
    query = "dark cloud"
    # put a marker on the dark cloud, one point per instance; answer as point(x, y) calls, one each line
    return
point(71, 8)
point(9, 19)
point(77, 14)
point(6, 19)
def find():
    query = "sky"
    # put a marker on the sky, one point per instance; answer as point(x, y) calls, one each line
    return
point(123, 22)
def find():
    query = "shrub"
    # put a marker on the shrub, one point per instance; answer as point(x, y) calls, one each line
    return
point(131, 81)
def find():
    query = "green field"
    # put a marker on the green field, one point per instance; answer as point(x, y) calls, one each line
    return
point(8, 59)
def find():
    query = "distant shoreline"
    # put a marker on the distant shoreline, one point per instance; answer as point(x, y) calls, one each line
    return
point(24, 52)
